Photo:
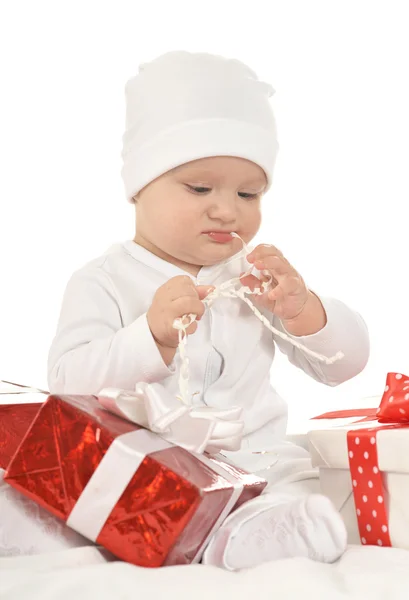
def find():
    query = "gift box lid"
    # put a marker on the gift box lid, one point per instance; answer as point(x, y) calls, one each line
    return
point(329, 448)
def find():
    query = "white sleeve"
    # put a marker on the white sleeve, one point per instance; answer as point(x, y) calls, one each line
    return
point(92, 349)
point(344, 331)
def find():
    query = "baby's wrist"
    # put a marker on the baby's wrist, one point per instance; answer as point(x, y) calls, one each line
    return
point(167, 352)
point(310, 320)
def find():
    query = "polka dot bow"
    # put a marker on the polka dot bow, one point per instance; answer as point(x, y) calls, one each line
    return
point(367, 484)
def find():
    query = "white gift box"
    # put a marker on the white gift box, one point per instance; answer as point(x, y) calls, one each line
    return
point(329, 452)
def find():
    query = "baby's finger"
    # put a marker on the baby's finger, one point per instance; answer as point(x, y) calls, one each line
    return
point(204, 290)
point(262, 251)
point(276, 294)
point(251, 282)
point(177, 287)
point(186, 305)
point(192, 327)
point(275, 264)
point(291, 284)
point(267, 276)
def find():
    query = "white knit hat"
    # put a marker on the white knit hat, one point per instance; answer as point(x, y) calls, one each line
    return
point(183, 106)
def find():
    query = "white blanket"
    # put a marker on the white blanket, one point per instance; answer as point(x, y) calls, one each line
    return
point(84, 573)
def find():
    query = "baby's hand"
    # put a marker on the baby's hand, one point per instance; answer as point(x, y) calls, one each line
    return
point(290, 298)
point(176, 298)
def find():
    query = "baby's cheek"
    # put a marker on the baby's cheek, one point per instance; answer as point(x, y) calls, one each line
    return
point(251, 220)
point(186, 221)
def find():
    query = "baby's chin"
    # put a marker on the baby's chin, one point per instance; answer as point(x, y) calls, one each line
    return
point(213, 254)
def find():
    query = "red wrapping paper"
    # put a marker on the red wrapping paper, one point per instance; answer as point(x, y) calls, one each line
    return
point(166, 511)
point(367, 482)
point(15, 419)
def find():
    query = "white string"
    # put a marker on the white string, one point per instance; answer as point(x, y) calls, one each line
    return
point(233, 288)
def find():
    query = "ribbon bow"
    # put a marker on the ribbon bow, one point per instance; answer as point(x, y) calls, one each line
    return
point(393, 408)
point(197, 429)
point(367, 483)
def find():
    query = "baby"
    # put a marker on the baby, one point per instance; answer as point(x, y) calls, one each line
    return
point(199, 152)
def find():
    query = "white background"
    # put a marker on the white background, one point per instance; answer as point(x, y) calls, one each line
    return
point(339, 202)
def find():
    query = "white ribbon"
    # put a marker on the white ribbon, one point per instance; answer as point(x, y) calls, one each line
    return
point(8, 387)
point(197, 429)
point(110, 479)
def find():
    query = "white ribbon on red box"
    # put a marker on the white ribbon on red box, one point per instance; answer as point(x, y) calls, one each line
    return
point(197, 429)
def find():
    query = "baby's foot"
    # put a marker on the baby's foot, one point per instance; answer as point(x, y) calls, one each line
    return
point(258, 532)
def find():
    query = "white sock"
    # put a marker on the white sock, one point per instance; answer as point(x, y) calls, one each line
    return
point(269, 528)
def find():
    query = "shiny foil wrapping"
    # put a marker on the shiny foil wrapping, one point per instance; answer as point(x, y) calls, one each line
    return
point(15, 419)
point(166, 511)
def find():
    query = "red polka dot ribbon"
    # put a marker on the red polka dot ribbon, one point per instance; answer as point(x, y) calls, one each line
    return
point(367, 484)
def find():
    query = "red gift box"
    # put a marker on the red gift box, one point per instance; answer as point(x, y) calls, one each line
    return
point(149, 502)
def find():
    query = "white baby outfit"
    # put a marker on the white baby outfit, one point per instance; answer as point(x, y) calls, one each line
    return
point(103, 340)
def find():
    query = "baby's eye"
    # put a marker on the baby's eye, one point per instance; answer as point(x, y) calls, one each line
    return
point(198, 189)
point(248, 196)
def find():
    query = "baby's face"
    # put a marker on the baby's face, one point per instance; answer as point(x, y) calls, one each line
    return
point(176, 212)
